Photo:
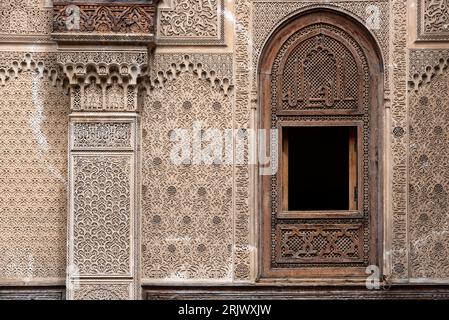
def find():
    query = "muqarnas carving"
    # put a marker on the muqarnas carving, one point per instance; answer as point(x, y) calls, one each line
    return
point(99, 87)
point(433, 20)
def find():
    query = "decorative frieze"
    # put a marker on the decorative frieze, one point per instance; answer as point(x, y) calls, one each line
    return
point(109, 290)
point(80, 21)
point(102, 135)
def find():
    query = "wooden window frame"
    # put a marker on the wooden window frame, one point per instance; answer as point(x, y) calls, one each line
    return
point(268, 196)
point(283, 212)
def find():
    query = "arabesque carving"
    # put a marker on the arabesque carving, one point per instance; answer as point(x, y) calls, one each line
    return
point(191, 22)
point(433, 21)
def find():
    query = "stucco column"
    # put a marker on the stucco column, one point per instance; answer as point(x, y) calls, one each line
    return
point(103, 219)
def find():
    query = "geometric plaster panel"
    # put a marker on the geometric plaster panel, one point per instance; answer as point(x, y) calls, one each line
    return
point(101, 231)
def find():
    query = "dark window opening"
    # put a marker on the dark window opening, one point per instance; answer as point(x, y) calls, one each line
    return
point(319, 168)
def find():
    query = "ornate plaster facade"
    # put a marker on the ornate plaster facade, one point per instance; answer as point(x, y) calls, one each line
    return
point(92, 92)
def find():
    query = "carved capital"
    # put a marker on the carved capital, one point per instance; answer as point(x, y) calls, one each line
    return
point(103, 82)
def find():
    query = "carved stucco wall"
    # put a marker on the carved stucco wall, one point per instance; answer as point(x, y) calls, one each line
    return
point(429, 180)
point(103, 257)
point(220, 227)
point(187, 209)
point(26, 19)
point(255, 20)
point(33, 171)
point(429, 162)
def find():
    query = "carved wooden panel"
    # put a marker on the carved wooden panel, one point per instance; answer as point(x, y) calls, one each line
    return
point(320, 72)
point(322, 243)
point(103, 18)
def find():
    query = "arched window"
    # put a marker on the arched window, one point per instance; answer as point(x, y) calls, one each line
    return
point(321, 81)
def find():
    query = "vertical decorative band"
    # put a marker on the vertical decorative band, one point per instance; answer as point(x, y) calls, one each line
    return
point(102, 215)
